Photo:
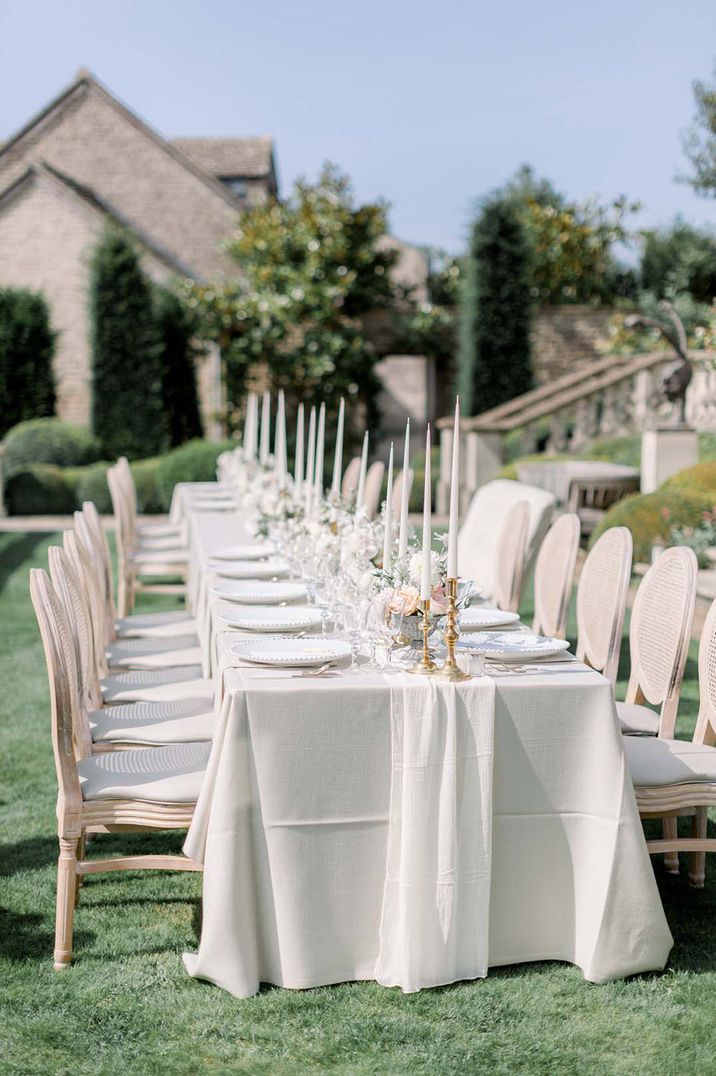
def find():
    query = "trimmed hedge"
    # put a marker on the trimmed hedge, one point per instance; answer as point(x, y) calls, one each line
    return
point(651, 516)
point(49, 440)
point(42, 489)
point(698, 479)
point(27, 344)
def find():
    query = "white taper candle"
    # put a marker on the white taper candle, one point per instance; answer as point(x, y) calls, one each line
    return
point(311, 455)
point(404, 495)
point(454, 496)
point(425, 587)
point(265, 429)
point(281, 462)
point(338, 457)
point(298, 455)
point(320, 440)
point(388, 519)
point(360, 493)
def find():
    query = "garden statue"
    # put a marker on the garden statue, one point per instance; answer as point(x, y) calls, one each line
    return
point(677, 379)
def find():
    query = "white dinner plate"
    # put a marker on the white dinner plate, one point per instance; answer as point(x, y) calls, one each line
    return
point(291, 653)
point(257, 593)
point(479, 617)
point(248, 551)
point(513, 645)
point(249, 569)
point(273, 618)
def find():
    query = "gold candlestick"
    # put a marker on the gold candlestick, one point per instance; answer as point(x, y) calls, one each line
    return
point(425, 666)
point(450, 669)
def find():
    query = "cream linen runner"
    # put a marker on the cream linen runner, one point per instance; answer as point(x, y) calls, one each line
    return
point(436, 903)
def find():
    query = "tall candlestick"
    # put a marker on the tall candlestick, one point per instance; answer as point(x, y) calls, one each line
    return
point(320, 439)
point(247, 426)
point(310, 459)
point(454, 496)
point(265, 429)
point(388, 520)
point(281, 462)
point(404, 495)
point(298, 455)
point(338, 458)
point(360, 494)
point(425, 587)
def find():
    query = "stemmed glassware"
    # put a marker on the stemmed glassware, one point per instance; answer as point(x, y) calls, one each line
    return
point(388, 626)
point(354, 608)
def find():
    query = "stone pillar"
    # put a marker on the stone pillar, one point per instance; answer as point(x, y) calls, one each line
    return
point(482, 460)
point(211, 390)
point(664, 452)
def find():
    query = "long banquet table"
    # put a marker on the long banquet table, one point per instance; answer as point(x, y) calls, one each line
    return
point(292, 823)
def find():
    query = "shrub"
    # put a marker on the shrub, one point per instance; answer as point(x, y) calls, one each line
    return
point(90, 484)
point(127, 413)
point(176, 329)
point(27, 343)
point(698, 479)
point(49, 440)
point(146, 481)
point(192, 462)
point(625, 450)
point(39, 490)
point(494, 355)
point(651, 516)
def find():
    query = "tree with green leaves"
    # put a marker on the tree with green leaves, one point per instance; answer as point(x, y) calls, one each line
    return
point(176, 329)
point(679, 259)
point(127, 409)
point(27, 344)
point(494, 353)
point(310, 267)
point(700, 140)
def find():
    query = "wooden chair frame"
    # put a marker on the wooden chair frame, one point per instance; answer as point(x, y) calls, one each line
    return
point(76, 817)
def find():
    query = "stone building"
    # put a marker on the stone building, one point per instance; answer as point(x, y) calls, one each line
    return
point(87, 159)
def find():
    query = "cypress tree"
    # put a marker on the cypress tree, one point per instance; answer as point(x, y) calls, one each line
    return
point(176, 331)
point(27, 344)
point(494, 352)
point(127, 409)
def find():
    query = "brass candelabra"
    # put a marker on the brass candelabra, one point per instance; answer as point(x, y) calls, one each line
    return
point(425, 666)
point(450, 669)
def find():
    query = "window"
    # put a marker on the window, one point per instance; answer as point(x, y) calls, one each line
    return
point(236, 185)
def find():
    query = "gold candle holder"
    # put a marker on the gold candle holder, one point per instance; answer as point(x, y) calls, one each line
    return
point(425, 666)
point(450, 669)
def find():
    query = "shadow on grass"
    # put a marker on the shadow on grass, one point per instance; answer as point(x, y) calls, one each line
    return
point(27, 937)
point(17, 551)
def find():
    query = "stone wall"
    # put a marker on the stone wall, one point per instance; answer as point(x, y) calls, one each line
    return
point(567, 336)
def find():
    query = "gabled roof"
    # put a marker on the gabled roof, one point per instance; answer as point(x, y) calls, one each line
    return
point(41, 169)
point(249, 158)
point(84, 80)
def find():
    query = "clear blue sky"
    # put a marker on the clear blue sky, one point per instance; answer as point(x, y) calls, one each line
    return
point(426, 104)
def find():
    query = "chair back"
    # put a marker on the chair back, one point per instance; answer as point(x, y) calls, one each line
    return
point(705, 731)
point(373, 483)
point(87, 575)
point(350, 477)
point(397, 499)
point(601, 601)
point(94, 532)
point(510, 560)
point(554, 576)
point(481, 530)
point(72, 592)
point(64, 702)
point(659, 633)
point(124, 531)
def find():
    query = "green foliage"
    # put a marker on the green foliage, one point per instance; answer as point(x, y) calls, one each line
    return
point(679, 259)
point(494, 358)
point(176, 327)
point(49, 440)
point(572, 242)
point(90, 484)
point(310, 267)
point(127, 411)
point(510, 469)
point(39, 489)
point(651, 516)
point(27, 344)
point(699, 321)
point(700, 141)
point(193, 462)
point(698, 479)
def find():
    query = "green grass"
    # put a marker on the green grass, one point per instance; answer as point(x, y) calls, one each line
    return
point(127, 1006)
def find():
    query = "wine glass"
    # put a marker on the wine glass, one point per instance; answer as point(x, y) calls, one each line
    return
point(354, 614)
point(387, 624)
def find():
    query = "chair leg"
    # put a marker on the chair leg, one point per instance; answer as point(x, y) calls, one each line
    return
point(79, 878)
point(697, 860)
point(65, 912)
point(671, 859)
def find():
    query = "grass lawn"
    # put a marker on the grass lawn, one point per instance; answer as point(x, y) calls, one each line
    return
point(127, 1006)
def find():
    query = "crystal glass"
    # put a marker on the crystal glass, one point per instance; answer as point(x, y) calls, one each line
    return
point(354, 615)
point(387, 626)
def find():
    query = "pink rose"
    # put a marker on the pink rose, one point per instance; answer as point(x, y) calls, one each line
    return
point(406, 600)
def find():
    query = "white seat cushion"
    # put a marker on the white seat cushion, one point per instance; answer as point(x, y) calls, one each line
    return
point(656, 762)
point(637, 720)
point(157, 685)
point(156, 625)
point(159, 774)
point(176, 721)
point(154, 653)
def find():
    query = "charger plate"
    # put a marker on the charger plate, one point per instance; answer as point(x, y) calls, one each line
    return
point(249, 569)
point(513, 645)
point(479, 617)
point(260, 593)
point(272, 618)
point(291, 653)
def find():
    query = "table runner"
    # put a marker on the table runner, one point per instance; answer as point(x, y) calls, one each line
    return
point(436, 903)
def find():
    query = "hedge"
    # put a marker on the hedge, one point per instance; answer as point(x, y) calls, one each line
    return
point(651, 516)
point(49, 440)
point(27, 344)
point(42, 489)
point(698, 479)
